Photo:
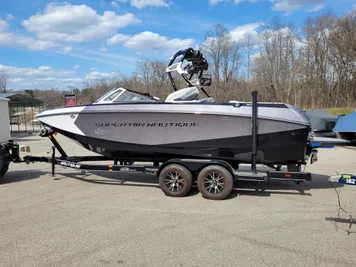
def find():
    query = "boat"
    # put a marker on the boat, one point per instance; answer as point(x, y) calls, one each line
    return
point(128, 125)
point(345, 127)
point(322, 122)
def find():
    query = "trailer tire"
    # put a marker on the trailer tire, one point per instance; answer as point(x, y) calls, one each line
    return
point(175, 180)
point(4, 164)
point(215, 182)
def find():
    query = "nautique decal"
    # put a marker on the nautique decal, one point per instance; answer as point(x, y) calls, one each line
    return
point(146, 124)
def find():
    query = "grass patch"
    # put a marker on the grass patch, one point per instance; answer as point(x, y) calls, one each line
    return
point(339, 111)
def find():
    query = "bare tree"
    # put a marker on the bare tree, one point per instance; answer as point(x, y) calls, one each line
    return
point(274, 68)
point(316, 53)
point(223, 54)
point(153, 75)
point(248, 41)
point(4, 78)
point(343, 59)
point(52, 98)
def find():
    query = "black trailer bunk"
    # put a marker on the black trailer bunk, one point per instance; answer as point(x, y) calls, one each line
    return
point(214, 178)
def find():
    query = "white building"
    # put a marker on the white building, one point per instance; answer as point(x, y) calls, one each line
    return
point(4, 120)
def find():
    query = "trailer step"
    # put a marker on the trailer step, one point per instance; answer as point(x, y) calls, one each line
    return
point(272, 176)
point(250, 176)
point(289, 176)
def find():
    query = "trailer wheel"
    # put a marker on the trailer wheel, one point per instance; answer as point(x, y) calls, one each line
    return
point(215, 182)
point(175, 180)
point(4, 164)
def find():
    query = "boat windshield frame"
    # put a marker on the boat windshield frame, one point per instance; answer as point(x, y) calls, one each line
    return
point(106, 95)
point(117, 93)
point(131, 94)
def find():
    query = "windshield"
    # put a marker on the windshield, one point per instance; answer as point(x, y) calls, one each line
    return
point(130, 96)
point(106, 96)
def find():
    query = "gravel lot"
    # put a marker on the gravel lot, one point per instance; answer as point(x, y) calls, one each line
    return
point(112, 219)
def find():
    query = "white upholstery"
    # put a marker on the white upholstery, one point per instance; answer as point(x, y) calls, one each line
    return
point(185, 94)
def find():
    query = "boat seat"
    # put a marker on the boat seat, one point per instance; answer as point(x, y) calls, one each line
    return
point(189, 94)
point(206, 100)
point(185, 94)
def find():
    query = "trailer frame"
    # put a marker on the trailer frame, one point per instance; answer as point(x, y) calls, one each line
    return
point(194, 166)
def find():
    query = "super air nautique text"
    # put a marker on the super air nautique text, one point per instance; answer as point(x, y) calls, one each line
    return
point(146, 124)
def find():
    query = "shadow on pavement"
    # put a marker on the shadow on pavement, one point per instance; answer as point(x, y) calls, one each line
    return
point(113, 178)
point(241, 187)
point(340, 220)
point(22, 140)
point(126, 179)
point(19, 176)
point(319, 181)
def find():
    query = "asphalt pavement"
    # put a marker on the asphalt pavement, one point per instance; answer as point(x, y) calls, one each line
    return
point(115, 219)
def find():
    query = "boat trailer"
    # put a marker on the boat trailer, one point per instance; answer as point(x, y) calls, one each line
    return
point(214, 178)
